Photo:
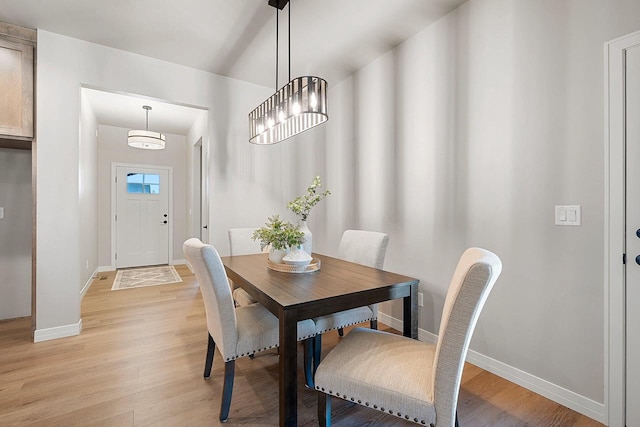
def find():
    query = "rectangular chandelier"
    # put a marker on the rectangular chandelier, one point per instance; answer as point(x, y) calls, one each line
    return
point(298, 106)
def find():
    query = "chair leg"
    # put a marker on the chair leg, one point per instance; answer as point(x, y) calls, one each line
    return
point(374, 323)
point(324, 410)
point(208, 363)
point(341, 332)
point(308, 360)
point(317, 351)
point(227, 389)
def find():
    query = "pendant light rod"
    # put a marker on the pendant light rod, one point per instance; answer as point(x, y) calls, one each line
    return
point(277, 45)
point(278, 8)
point(289, 40)
point(146, 107)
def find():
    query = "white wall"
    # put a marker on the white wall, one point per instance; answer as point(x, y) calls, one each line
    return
point(87, 192)
point(113, 148)
point(15, 233)
point(64, 64)
point(468, 134)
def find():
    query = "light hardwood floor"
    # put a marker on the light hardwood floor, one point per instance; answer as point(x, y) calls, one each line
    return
point(139, 362)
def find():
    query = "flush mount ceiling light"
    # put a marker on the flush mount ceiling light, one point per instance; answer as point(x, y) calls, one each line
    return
point(146, 139)
point(297, 106)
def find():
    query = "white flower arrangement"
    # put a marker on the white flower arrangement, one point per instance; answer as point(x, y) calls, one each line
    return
point(302, 205)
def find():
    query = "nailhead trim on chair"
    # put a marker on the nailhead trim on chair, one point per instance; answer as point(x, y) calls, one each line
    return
point(389, 411)
point(228, 359)
point(344, 326)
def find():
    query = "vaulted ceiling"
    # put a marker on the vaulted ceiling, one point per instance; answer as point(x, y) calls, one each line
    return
point(236, 38)
point(233, 38)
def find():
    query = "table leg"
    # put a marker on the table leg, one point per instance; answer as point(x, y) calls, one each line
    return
point(410, 313)
point(288, 369)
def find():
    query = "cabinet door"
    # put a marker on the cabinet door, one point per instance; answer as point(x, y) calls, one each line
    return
point(16, 87)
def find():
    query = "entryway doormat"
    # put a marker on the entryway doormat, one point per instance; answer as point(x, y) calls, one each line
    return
point(148, 276)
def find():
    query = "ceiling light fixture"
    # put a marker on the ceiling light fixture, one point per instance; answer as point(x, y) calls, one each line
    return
point(146, 139)
point(298, 106)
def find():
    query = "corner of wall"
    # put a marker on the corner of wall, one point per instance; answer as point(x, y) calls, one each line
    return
point(58, 332)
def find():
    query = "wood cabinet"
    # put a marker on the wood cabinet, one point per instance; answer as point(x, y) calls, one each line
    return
point(17, 47)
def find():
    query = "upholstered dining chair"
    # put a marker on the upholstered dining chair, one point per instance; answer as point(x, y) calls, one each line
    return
point(240, 331)
point(363, 247)
point(407, 378)
point(241, 243)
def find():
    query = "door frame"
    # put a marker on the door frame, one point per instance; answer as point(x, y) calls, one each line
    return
point(614, 216)
point(114, 188)
point(204, 194)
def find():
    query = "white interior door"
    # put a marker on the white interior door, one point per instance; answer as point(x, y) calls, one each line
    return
point(632, 215)
point(142, 216)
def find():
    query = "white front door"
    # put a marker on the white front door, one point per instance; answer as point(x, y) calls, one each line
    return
point(632, 234)
point(142, 216)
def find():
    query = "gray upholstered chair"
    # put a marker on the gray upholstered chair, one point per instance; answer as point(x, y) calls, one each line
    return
point(241, 243)
point(238, 332)
point(407, 378)
point(362, 247)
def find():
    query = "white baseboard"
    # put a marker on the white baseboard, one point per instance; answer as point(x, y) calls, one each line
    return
point(87, 285)
point(113, 268)
point(568, 398)
point(190, 268)
point(57, 332)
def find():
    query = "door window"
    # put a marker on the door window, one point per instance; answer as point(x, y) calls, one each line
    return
point(143, 183)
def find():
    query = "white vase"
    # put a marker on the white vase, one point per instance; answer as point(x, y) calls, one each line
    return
point(308, 237)
point(275, 255)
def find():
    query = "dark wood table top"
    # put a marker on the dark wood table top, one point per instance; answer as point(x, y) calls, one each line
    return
point(321, 292)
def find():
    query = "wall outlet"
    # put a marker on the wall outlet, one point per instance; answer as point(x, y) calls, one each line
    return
point(420, 299)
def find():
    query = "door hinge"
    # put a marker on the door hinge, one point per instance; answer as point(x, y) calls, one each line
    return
point(116, 179)
point(116, 256)
point(116, 218)
point(624, 258)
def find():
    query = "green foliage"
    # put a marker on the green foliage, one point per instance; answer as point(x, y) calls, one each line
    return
point(279, 234)
point(302, 205)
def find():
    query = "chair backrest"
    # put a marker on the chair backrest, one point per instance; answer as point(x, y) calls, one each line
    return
point(240, 242)
point(364, 247)
point(216, 293)
point(472, 281)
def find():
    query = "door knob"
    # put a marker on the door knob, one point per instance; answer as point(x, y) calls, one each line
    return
point(165, 215)
point(638, 232)
point(204, 226)
point(638, 260)
point(164, 222)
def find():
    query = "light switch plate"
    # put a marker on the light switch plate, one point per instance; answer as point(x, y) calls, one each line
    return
point(1, 213)
point(569, 215)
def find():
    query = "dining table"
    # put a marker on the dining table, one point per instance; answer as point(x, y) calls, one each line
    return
point(336, 286)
